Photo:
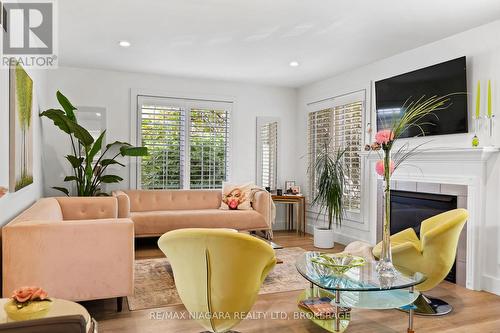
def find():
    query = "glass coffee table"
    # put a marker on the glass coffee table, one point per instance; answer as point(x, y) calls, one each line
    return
point(360, 287)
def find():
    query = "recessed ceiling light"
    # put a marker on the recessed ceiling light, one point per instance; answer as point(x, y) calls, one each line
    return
point(124, 43)
point(294, 64)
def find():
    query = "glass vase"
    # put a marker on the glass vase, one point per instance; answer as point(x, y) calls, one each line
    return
point(385, 267)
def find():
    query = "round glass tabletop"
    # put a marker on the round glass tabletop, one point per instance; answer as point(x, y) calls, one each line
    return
point(363, 278)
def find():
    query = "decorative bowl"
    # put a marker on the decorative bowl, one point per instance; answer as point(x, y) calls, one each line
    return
point(33, 310)
point(337, 263)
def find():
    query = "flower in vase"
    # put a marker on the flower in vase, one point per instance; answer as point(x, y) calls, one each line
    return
point(3, 191)
point(383, 137)
point(379, 167)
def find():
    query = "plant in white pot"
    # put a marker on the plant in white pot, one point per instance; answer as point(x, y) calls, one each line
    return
point(330, 178)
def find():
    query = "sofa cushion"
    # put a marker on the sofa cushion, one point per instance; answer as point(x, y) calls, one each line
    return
point(159, 222)
point(88, 208)
point(158, 200)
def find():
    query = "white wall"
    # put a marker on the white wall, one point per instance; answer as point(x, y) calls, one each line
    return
point(482, 48)
point(112, 90)
point(13, 203)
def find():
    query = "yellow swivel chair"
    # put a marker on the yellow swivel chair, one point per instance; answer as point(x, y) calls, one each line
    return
point(433, 254)
point(217, 272)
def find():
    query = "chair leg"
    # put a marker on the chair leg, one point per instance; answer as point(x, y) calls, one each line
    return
point(119, 304)
point(430, 306)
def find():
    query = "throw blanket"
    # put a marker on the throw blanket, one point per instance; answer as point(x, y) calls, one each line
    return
point(272, 211)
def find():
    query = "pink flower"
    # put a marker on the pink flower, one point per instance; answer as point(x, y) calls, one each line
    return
point(384, 137)
point(3, 190)
point(379, 167)
point(25, 294)
point(39, 294)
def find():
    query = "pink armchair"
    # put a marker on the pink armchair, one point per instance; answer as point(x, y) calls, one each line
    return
point(75, 248)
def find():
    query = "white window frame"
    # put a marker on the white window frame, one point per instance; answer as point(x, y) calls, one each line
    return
point(186, 101)
point(330, 103)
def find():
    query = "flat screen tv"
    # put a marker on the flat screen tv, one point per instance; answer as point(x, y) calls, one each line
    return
point(441, 79)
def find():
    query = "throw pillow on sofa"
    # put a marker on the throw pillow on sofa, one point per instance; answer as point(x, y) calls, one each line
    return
point(236, 196)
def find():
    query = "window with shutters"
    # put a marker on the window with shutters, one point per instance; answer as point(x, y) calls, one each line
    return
point(208, 142)
point(269, 154)
point(339, 127)
point(187, 140)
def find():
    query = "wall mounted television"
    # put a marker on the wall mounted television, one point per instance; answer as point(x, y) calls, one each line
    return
point(441, 79)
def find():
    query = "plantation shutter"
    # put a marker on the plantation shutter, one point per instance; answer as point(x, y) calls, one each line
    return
point(209, 142)
point(188, 143)
point(319, 128)
point(162, 132)
point(269, 150)
point(339, 127)
point(346, 134)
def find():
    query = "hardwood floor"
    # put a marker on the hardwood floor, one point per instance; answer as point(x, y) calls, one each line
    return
point(473, 311)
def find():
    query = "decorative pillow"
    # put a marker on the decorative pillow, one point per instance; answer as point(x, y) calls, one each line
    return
point(236, 196)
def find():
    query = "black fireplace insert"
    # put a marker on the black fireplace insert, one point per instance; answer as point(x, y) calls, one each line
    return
point(409, 209)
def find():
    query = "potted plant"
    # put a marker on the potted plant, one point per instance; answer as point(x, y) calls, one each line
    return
point(330, 178)
point(88, 169)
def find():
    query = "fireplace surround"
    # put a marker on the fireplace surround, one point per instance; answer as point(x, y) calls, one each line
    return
point(464, 171)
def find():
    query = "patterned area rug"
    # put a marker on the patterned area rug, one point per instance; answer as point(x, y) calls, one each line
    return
point(155, 287)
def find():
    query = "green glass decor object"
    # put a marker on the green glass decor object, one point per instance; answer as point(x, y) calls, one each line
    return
point(338, 263)
point(475, 141)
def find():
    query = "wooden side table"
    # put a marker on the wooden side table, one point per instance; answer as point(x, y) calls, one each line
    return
point(292, 201)
point(60, 307)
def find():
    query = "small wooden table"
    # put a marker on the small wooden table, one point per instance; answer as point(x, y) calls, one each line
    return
point(292, 201)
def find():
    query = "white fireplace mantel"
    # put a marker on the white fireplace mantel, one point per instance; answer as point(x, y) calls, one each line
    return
point(459, 166)
point(451, 154)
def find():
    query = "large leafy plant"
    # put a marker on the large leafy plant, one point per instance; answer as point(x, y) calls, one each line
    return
point(330, 174)
point(88, 170)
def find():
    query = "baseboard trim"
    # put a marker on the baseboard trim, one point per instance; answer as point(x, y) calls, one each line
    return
point(490, 284)
point(340, 237)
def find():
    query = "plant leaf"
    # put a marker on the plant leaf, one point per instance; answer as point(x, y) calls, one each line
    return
point(134, 151)
point(62, 189)
point(68, 126)
point(59, 119)
point(118, 143)
point(67, 106)
point(109, 161)
point(111, 179)
point(81, 134)
point(76, 162)
point(70, 178)
point(96, 147)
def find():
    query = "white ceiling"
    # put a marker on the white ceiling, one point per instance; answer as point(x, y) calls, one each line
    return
point(255, 40)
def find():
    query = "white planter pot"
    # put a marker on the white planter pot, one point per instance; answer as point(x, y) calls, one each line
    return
point(323, 238)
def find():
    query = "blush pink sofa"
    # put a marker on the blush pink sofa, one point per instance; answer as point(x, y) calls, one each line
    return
point(75, 248)
point(156, 212)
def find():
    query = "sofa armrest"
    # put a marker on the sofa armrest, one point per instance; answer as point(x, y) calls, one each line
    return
point(123, 203)
point(74, 260)
point(263, 204)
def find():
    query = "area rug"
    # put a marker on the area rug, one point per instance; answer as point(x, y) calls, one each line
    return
point(154, 283)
